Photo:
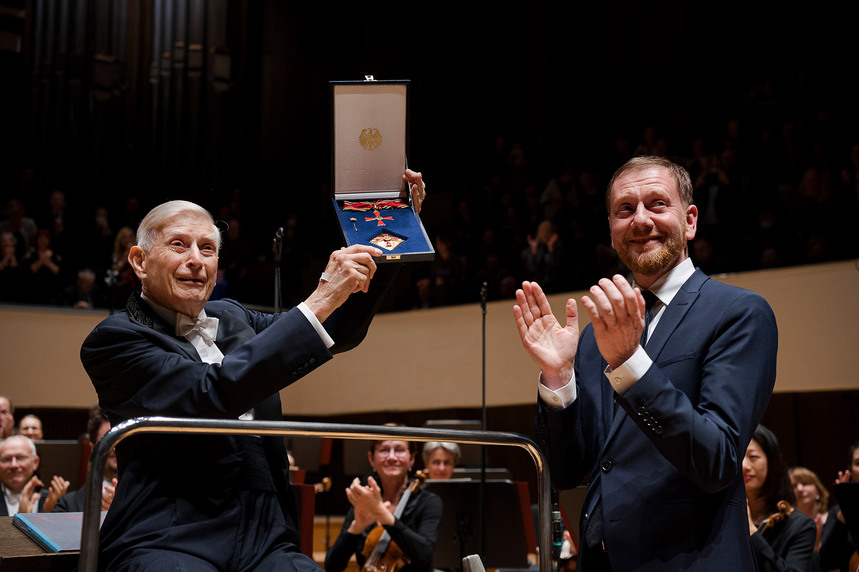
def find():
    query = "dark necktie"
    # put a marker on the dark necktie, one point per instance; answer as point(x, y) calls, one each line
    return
point(649, 300)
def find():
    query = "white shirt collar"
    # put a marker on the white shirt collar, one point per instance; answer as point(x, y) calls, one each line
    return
point(167, 314)
point(670, 283)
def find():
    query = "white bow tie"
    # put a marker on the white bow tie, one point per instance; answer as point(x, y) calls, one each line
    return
point(207, 328)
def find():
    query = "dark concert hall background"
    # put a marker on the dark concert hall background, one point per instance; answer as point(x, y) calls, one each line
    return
point(126, 103)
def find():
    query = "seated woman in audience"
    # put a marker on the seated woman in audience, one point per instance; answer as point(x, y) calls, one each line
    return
point(413, 528)
point(782, 538)
point(440, 458)
point(812, 498)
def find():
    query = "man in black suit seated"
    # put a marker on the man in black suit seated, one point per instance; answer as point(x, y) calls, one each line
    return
point(214, 502)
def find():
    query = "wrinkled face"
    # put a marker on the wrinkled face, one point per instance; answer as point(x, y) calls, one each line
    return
point(180, 270)
point(30, 427)
point(648, 222)
point(440, 464)
point(754, 469)
point(17, 464)
point(392, 459)
point(7, 420)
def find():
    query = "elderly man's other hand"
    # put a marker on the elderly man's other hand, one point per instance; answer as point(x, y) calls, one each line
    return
point(417, 188)
point(349, 270)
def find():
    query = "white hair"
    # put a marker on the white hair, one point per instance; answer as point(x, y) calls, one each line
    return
point(451, 448)
point(151, 223)
point(24, 437)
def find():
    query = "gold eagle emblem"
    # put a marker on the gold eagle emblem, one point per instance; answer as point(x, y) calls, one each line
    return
point(370, 139)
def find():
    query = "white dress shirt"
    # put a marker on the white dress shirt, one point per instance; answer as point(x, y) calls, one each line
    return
point(625, 375)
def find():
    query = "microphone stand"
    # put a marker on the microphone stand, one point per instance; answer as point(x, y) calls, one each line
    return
point(277, 246)
point(483, 291)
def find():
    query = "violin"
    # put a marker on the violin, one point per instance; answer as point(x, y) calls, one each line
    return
point(323, 486)
point(784, 510)
point(382, 554)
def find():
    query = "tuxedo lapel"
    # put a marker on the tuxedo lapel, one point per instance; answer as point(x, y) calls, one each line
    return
point(142, 313)
point(232, 331)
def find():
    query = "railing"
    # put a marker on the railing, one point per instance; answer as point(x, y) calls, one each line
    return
point(92, 508)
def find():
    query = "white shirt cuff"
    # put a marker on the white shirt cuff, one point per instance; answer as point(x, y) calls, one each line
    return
point(560, 398)
point(317, 325)
point(625, 375)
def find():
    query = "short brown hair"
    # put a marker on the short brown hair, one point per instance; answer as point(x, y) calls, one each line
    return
point(678, 173)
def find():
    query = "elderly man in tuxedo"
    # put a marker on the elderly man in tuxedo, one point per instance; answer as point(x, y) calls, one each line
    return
point(200, 502)
point(656, 400)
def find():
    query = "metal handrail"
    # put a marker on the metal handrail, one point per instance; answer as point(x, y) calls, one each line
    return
point(88, 561)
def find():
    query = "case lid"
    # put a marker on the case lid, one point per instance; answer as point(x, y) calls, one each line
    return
point(369, 138)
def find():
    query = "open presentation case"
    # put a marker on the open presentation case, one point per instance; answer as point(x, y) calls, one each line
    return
point(370, 134)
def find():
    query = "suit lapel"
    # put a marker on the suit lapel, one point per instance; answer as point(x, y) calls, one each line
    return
point(674, 313)
point(671, 318)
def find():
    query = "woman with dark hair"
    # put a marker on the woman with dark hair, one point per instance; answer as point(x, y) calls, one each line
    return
point(375, 503)
point(782, 538)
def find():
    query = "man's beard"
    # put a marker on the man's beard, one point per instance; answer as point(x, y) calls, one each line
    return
point(658, 260)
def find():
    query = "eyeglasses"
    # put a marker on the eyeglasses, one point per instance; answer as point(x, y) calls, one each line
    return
point(392, 451)
point(20, 459)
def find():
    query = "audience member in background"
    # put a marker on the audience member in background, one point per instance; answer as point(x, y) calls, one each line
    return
point(18, 480)
point(812, 498)
point(84, 294)
point(42, 268)
point(782, 538)
point(7, 417)
point(31, 426)
point(11, 285)
point(374, 503)
point(440, 458)
point(836, 542)
point(544, 258)
point(121, 279)
point(97, 427)
point(20, 225)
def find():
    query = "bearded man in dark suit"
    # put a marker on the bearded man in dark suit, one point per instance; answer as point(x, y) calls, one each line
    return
point(661, 421)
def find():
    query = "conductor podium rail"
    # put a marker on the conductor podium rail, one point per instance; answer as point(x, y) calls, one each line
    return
point(90, 530)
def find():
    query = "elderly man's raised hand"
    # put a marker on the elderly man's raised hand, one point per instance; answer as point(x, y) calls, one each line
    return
point(349, 270)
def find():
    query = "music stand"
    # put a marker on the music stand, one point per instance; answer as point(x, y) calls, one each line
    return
point(458, 531)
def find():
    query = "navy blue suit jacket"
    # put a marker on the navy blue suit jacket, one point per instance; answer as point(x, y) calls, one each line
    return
point(668, 463)
point(173, 488)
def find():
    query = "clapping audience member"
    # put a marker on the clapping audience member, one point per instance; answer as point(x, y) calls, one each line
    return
point(11, 286)
point(97, 427)
point(18, 480)
point(31, 426)
point(43, 267)
point(22, 227)
point(836, 542)
point(782, 538)
point(812, 498)
point(374, 504)
point(440, 458)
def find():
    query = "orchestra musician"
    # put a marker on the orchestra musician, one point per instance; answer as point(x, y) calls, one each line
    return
point(375, 505)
